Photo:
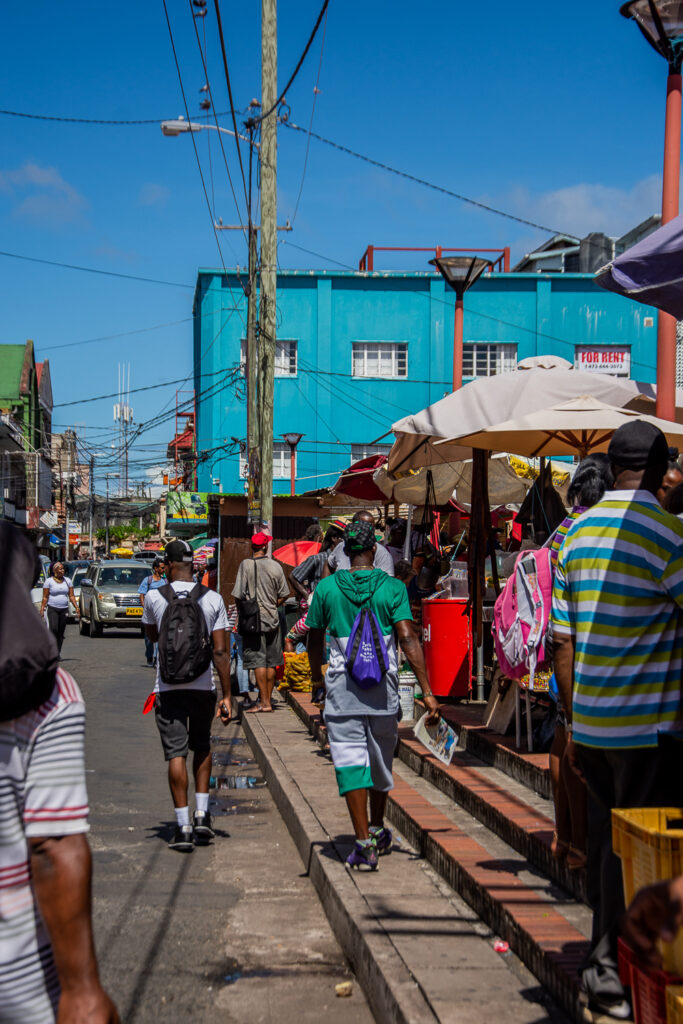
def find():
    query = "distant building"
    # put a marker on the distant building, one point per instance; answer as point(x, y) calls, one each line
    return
point(356, 351)
point(564, 254)
point(25, 438)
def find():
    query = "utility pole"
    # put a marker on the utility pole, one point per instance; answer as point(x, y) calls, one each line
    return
point(253, 434)
point(268, 250)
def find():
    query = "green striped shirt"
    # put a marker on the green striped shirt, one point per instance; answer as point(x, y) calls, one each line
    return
point(618, 591)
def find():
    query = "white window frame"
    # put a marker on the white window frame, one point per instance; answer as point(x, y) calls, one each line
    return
point(500, 356)
point(286, 355)
point(398, 351)
point(282, 462)
point(364, 451)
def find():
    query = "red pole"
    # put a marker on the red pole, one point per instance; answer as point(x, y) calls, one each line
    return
point(292, 470)
point(458, 333)
point(506, 259)
point(666, 327)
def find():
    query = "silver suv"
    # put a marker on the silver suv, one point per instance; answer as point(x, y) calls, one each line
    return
point(109, 596)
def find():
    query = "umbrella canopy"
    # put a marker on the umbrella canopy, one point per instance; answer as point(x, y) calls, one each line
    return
point(357, 482)
point(296, 552)
point(122, 552)
point(411, 488)
point(578, 427)
point(651, 271)
point(488, 401)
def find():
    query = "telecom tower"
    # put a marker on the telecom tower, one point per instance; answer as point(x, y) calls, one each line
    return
point(123, 415)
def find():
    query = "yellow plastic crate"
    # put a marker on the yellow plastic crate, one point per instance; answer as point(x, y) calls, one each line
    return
point(649, 841)
point(674, 1004)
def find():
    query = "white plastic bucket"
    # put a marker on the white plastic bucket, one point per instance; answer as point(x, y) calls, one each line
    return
point(406, 695)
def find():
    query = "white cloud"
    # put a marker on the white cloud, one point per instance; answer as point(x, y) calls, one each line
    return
point(41, 194)
point(152, 194)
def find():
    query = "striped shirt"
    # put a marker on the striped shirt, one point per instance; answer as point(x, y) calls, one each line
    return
point(618, 591)
point(561, 533)
point(42, 793)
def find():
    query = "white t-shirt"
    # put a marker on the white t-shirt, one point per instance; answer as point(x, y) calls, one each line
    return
point(216, 618)
point(339, 560)
point(42, 793)
point(59, 592)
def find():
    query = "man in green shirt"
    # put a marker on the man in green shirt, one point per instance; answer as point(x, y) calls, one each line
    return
point(362, 724)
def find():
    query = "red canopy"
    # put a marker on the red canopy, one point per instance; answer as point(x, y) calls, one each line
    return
point(297, 552)
point(357, 482)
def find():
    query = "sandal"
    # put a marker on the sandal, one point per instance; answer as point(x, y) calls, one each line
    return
point(559, 848)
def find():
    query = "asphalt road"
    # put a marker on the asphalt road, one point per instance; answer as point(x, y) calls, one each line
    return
point(231, 932)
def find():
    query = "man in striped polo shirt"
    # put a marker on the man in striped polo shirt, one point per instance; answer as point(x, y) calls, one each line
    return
point(617, 626)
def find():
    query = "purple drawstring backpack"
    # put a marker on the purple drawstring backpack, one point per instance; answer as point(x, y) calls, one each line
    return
point(367, 660)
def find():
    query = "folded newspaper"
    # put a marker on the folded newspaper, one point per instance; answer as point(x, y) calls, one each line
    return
point(439, 739)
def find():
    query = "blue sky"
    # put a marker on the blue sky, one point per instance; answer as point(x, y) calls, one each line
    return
point(553, 112)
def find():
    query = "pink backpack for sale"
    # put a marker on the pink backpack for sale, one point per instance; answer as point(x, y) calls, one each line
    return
point(521, 614)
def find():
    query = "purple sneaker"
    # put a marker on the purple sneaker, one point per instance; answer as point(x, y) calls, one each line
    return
point(383, 840)
point(363, 857)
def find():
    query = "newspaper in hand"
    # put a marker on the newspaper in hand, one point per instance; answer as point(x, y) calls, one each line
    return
point(439, 739)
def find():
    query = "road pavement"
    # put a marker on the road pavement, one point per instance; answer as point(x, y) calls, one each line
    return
point(232, 932)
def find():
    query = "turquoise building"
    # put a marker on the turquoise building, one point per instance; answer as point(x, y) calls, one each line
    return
point(356, 351)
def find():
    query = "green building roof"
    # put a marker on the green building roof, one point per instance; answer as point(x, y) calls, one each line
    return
point(11, 365)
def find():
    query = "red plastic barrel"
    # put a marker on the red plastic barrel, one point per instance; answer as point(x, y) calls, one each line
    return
point(447, 636)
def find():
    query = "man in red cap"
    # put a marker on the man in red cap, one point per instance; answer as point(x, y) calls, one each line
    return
point(260, 579)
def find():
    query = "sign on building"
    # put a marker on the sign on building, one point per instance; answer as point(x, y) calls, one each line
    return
point(611, 359)
point(49, 519)
point(188, 506)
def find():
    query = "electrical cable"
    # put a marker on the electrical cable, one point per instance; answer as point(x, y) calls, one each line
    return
point(111, 337)
point(310, 123)
point(302, 58)
point(230, 99)
point(147, 387)
point(422, 181)
point(94, 270)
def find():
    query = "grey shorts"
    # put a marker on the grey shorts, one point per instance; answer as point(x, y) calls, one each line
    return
point(262, 650)
point(184, 719)
point(362, 749)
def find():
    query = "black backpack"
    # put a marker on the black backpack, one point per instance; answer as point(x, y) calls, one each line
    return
point(185, 645)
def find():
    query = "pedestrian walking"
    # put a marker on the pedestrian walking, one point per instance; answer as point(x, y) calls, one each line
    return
point(260, 588)
point(58, 591)
point(189, 623)
point(338, 558)
point(48, 968)
point(304, 578)
point(361, 714)
point(152, 582)
point(618, 651)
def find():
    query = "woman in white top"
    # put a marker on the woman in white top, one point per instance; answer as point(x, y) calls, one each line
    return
point(57, 592)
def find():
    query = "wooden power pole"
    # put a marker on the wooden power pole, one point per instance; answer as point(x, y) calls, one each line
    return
point(268, 251)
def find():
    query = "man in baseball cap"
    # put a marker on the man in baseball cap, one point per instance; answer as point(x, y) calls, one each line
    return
point(617, 626)
point(262, 579)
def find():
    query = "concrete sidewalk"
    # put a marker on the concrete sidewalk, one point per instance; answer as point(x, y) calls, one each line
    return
point(419, 952)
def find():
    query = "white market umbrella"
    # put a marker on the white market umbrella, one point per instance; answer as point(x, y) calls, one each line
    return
point(578, 427)
point(490, 400)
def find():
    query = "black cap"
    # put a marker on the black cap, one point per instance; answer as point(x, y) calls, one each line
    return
point(638, 444)
point(179, 551)
point(359, 536)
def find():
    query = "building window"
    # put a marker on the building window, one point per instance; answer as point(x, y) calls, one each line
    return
point(282, 462)
point(485, 359)
point(612, 359)
point(364, 451)
point(380, 359)
point(285, 357)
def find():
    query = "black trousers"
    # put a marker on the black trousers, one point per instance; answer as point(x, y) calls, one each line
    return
point(618, 778)
point(56, 618)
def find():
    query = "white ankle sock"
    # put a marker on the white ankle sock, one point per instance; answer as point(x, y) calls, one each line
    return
point(182, 815)
point(202, 802)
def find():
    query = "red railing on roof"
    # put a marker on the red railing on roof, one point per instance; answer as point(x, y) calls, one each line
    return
point(500, 263)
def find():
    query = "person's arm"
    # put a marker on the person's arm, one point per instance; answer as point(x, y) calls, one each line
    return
point(283, 591)
point(655, 913)
point(61, 873)
point(412, 648)
point(563, 652)
point(46, 598)
point(149, 620)
point(221, 660)
point(72, 598)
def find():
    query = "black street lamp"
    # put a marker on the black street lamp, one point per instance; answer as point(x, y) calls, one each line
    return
point(292, 440)
point(460, 272)
point(661, 22)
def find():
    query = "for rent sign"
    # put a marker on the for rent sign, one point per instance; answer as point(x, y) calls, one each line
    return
point(612, 359)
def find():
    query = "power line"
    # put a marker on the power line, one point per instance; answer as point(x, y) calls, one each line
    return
point(420, 181)
point(302, 58)
point(94, 270)
point(232, 105)
point(310, 123)
point(111, 337)
point(320, 256)
point(147, 387)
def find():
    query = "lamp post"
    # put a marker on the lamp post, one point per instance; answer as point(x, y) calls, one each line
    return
point(460, 273)
point(292, 440)
point(661, 22)
point(108, 476)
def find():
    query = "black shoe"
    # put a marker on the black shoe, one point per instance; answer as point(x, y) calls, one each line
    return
point(203, 832)
point(150, 664)
point(248, 702)
point(182, 839)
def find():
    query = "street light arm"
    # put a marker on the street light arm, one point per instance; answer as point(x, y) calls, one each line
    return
point(179, 126)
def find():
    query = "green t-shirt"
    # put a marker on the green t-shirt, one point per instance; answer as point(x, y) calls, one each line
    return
point(336, 603)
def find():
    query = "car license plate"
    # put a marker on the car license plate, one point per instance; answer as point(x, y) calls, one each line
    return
point(133, 611)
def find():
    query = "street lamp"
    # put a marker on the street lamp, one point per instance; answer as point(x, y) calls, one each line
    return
point(179, 126)
point(108, 476)
point(292, 440)
point(661, 22)
point(460, 272)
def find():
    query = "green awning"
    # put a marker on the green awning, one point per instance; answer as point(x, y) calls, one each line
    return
point(198, 542)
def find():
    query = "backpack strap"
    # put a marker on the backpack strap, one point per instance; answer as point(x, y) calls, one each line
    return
point(197, 592)
point(168, 592)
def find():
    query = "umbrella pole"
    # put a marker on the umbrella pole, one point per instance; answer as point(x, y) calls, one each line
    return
point(409, 527)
